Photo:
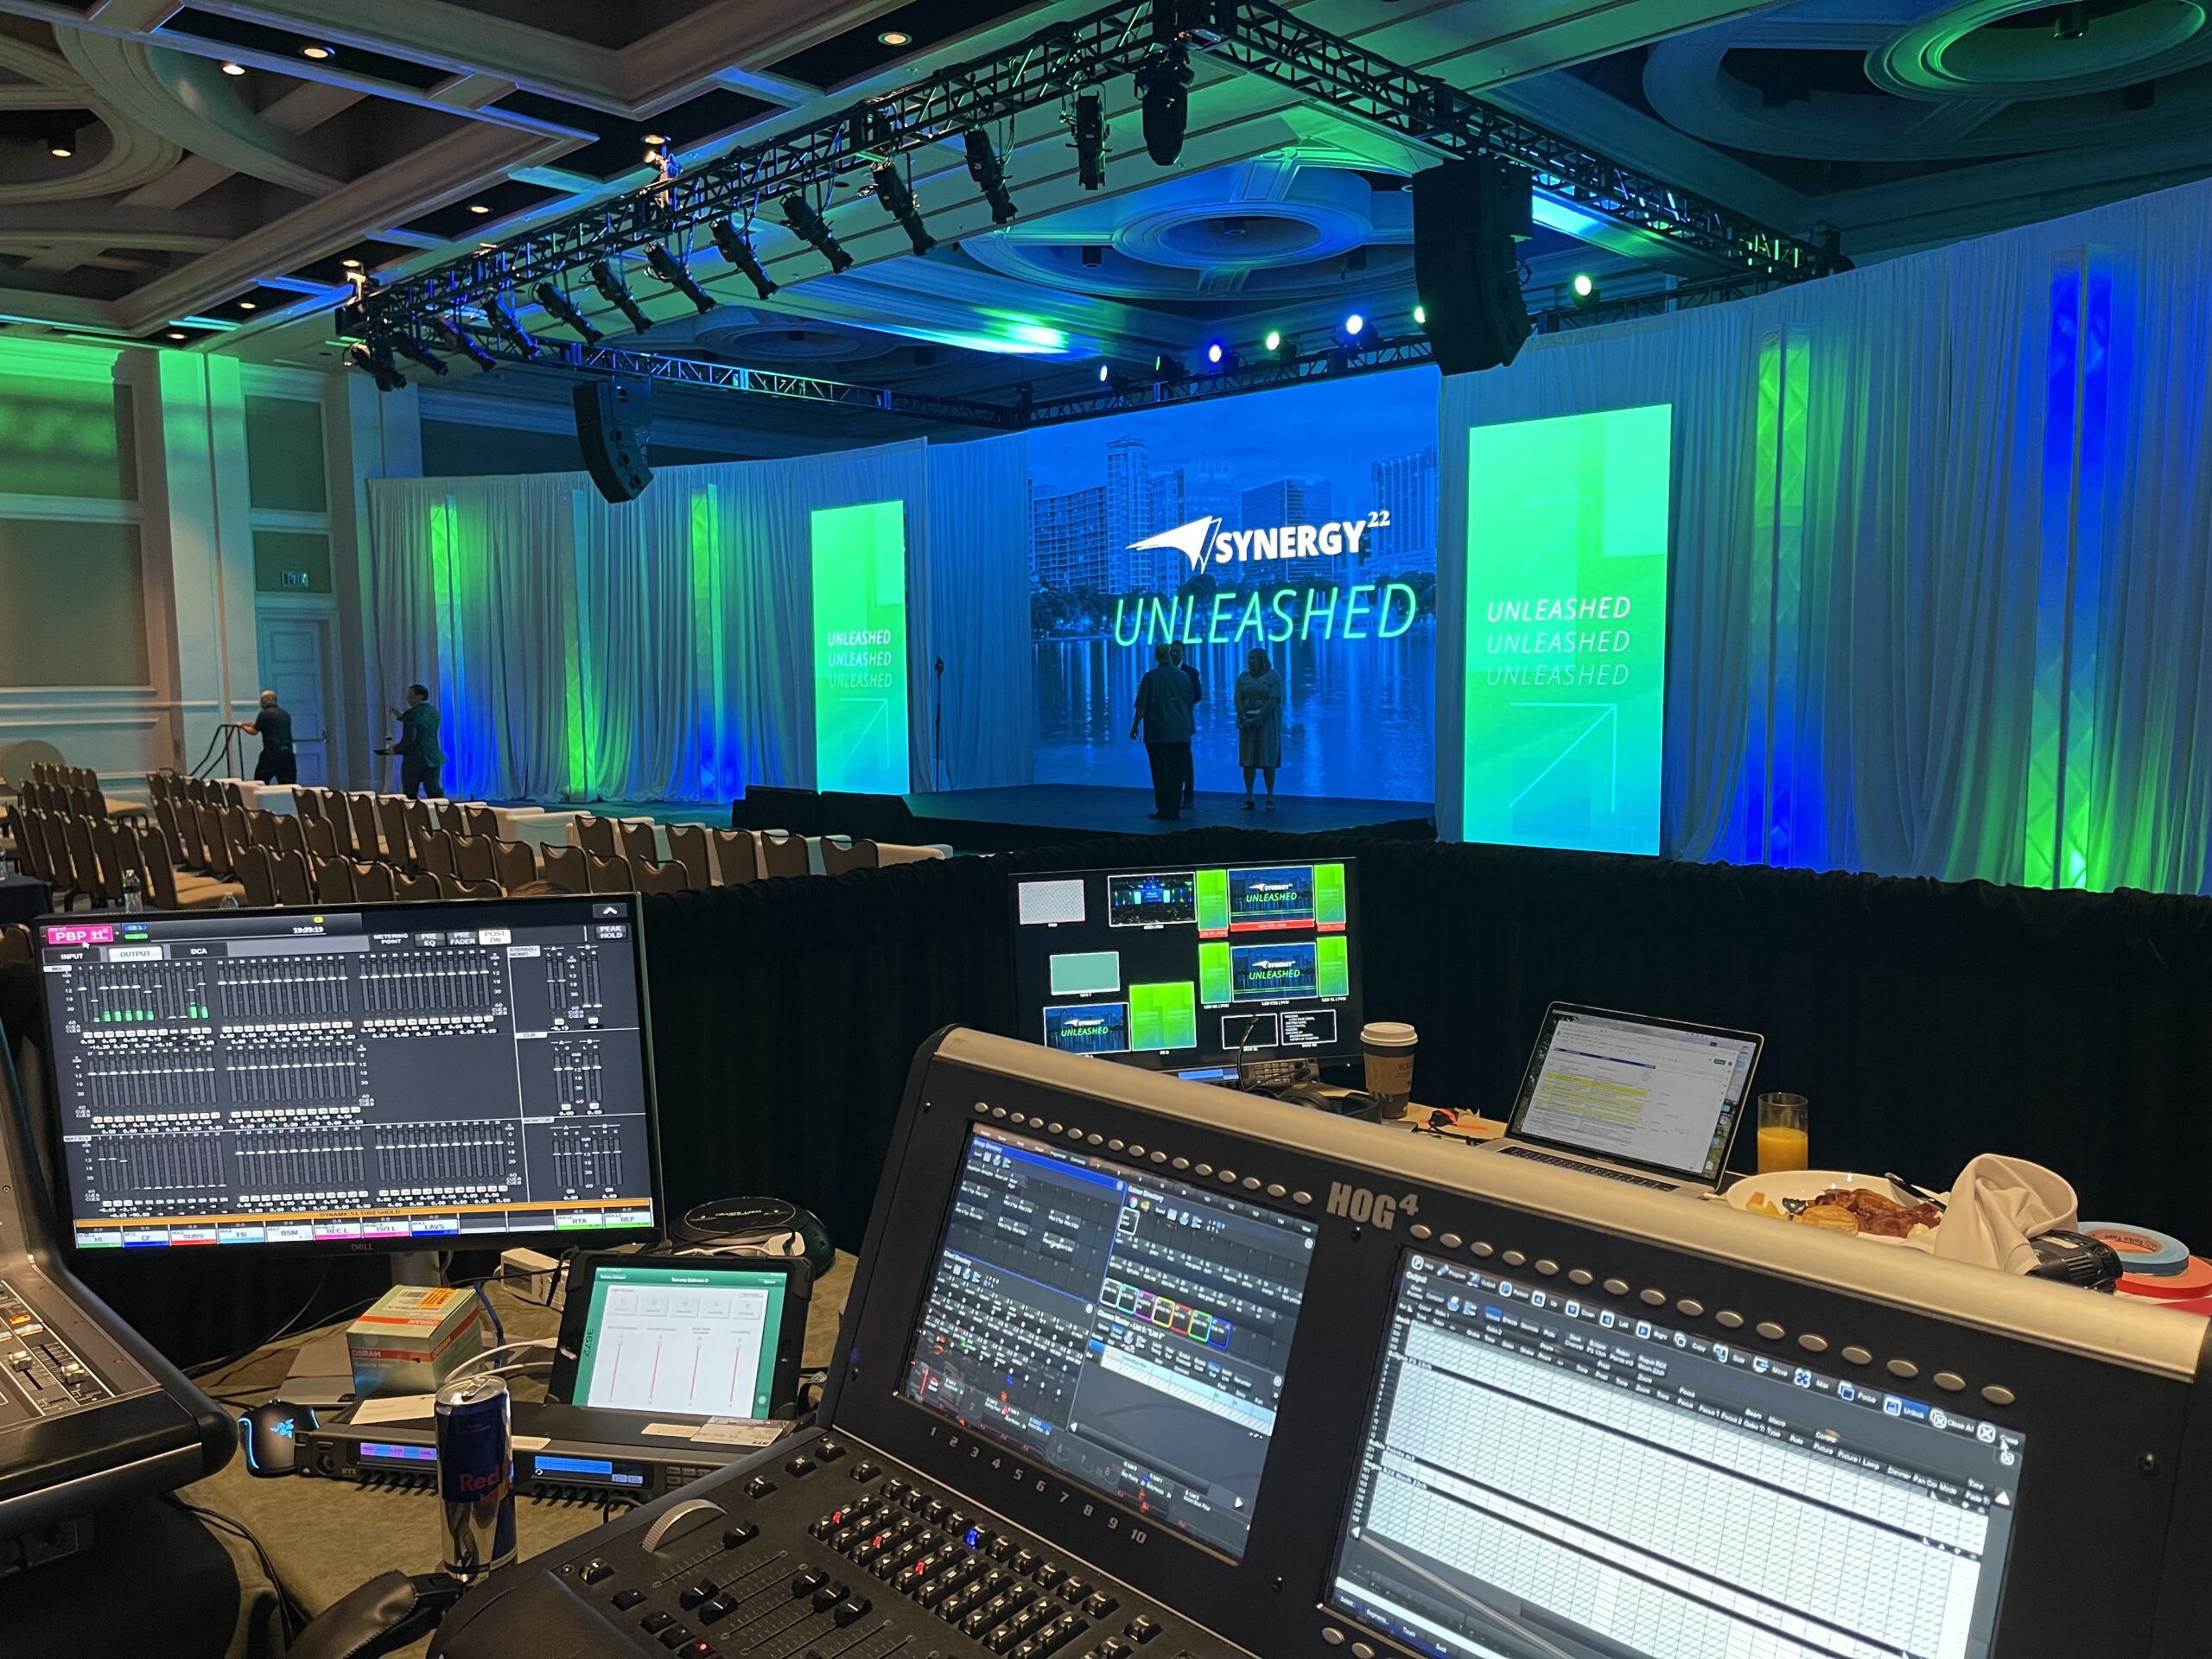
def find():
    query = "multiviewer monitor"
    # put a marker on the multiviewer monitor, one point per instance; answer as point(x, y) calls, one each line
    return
point(1180, 967)
point(354, 1078)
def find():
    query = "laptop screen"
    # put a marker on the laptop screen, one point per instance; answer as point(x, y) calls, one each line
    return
point(701, 1341)
point(1662, 1094)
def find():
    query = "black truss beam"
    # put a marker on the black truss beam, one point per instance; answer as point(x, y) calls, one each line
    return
point(1254, 35)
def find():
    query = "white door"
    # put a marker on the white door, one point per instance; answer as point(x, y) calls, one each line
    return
point(294, 665)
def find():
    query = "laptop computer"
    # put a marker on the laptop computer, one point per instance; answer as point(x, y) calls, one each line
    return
point(1632, 1097)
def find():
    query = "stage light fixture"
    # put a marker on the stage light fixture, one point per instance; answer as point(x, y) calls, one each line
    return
point(990, 174)
point(413, 346)
point(1167, 369)
point(458, 340)
point(1104, 373)
point(738, 253)
point(1087, 120)
point(1274, 341)
point(1585, 290)
point(1421, 316)
point(898, 201)
point(1214, 353)
point(1163, 82)
point(564, 309)
point(376, 363)
point(813, 230)
point(669, 269)
point(1354, 325)
point(500, 314)
point(616, 293)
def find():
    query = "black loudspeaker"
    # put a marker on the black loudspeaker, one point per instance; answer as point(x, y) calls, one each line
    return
point(1470, 218)
point(612, 421)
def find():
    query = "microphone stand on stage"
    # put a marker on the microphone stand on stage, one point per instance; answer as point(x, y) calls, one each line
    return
point(936, 738)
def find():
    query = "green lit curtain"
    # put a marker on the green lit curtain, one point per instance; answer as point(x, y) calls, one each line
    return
point(1941, 603)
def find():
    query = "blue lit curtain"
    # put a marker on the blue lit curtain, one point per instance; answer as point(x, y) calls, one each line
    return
point(978, 615)
point(1880, 566)
point(659, 650)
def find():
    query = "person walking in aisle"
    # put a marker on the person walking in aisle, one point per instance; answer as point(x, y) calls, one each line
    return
point(1197, 696)
point(278, 763)
point(419, 758)
point(1259, 724)
point(1164, 716)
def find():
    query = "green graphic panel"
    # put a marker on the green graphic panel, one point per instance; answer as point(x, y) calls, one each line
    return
point(859, 648)
point(1328, 895)
point(1567, 630)
point(1163, 1016)
point(1213, 975)
point(1333, 966)
point(1084, 973)
point(1213, 901)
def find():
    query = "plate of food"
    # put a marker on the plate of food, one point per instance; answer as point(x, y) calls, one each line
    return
point(1859, 1206)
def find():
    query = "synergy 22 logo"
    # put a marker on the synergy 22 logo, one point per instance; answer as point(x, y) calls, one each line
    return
point(1203, 536)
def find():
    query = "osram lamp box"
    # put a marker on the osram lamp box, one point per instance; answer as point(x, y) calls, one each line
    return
point(412, 1337)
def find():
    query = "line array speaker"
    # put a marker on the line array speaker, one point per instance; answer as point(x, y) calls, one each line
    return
point(1470, 218)
point(612, 423)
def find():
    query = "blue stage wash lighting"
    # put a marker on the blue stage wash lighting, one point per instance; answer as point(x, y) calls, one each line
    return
point(1354, 323)
point(1214, 353)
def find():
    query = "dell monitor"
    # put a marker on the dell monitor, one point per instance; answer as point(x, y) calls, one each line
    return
point(1184, 967)
point(357, 1078)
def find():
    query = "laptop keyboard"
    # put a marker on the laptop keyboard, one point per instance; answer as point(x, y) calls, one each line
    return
point(1535, 1156)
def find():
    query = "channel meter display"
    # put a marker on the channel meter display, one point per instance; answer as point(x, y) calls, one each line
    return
point(379, 1077)
point(1185, 966)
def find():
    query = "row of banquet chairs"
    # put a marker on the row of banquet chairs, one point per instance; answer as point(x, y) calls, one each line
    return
point(743, 857)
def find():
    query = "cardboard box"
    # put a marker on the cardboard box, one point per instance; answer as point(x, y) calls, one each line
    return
point(412, 1338)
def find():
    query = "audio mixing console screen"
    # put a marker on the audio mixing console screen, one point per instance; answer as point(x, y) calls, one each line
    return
point(1545, 1477)
point(381, 1076)
point(1190, 966)
point(1128, 1330)
point(696, 1341)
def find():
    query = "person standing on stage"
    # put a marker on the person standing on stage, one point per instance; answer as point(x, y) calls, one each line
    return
point(1259, 724)
point(1197, 696)
point(278, 764)
point(1165, 715)
point(419, 758)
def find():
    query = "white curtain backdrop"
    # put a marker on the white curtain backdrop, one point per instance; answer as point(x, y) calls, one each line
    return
point(1902, 716)
point(659, 650)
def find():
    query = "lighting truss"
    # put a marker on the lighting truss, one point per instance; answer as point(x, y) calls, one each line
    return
point(1045, 71)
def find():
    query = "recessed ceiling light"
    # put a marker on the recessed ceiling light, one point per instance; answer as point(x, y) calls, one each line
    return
point(246, 305)
point(894, 38)
point(61, 148)
point(350, 264)
point(656, 137)
point(318, 52)
point(478, 207)
point(177, 333)
point(234, 68)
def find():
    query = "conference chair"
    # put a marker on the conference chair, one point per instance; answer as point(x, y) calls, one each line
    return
point(295, 880)
point(437, 854)
point(391, 819)
point(237, 835)
point(368, 842)
point(307, 803)
point(687, 845)
point(474, 890)
point(169, 888)
point(784, 853)
point(842, 853)
point(78, 832)
point(658, 877)
point(262, 828)
point(416, 815)
point(190, 845)
point(514, 861)
point(609, 874)
point(638, 842)
point(595, 834)
point(564, 866)
point(15, 942)
point(232, 796)
point(320, 838)
point(40, 857)
point(737, 856)
point(373, 884)
point(102, 831)
point(291, 835)
point(480, 820)
point(411, 889)
point(165, 820)
point(334, 880)
point(258, 875)
point(473, 860)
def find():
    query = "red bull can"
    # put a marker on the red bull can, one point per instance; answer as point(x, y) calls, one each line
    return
point(476, 1476)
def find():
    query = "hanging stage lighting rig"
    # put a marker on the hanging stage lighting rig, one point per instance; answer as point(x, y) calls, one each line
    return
point(738, 253)
point(561, 306)
point(670, 269)
point(897, 199)
point(616, 292)
point(1065, 67)
point(990, 174)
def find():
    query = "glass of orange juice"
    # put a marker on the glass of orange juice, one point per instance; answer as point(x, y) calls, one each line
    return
point(1783, 1142)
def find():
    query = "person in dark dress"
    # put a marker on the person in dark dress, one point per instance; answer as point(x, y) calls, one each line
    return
point(278, 764)
point(1197, 696)
point(1164, 717)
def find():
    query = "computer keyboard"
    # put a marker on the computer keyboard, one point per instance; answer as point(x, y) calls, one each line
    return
point(1531, 1154)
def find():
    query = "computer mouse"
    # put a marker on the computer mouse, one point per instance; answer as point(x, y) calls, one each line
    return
point(270, 1436)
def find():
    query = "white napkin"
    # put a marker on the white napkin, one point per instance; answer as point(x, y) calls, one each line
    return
point(1997, 1205)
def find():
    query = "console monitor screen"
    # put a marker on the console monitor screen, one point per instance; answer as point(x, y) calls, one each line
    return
point(1181, 966)
point(1127, 1330)
point(698, 1341)
point(1545, 1477)
point(393, 1076)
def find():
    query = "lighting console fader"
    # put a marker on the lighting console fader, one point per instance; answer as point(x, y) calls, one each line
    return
point(1130, 1370)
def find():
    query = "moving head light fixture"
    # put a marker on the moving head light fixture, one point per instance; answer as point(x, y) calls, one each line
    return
point(669, 269)
point(990, 174)
point(616, 292)
point(813, 230)
point(1087, 121)
point(375, 361)
point(738, 252)
point(898, 200)
point(560, 306)
point(1163, 83)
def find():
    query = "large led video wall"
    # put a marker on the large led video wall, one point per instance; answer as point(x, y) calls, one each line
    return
point(1301, 523)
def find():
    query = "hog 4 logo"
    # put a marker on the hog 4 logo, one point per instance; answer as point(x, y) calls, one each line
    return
point(1202, 541)
point(1360, 1204)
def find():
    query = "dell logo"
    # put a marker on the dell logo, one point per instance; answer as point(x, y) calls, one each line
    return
point(1357, 1204)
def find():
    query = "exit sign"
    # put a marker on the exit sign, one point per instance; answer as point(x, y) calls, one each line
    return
point(295, 578)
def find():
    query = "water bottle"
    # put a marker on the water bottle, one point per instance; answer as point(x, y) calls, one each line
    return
point(134, 895)
point(229, 901)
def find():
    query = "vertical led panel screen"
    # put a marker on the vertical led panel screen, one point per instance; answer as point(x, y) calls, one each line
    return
point(859, 648)
point(1567, 630)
